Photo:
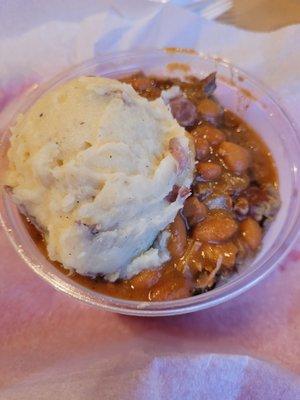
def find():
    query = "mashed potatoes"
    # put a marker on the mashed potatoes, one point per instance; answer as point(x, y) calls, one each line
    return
point(92, 163)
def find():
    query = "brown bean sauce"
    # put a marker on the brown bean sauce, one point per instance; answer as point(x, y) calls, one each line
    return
point(235, 196)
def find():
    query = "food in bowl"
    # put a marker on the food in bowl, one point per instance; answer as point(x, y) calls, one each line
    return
point(145, 189)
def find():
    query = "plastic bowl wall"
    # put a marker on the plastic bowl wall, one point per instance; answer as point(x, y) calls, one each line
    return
point(236, 91)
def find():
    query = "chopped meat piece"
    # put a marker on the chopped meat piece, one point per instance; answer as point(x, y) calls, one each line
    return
point(172, 196)
point(241, 206)
point(203, 190)
point(264, 202)
point(184, 192)
point(233, 184)
point(179, 153)
point(209, 84)
point(184, 111)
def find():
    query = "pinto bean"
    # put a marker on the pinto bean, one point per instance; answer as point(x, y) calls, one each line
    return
point(225, 251)
point(216, 228)
point(209, 110)
point(209, 171)
point(194, 211)
point(213, 135)
point(251, 232)
point(201, 148)
point(141, 83)
point(236, 158)
point(230, 120)
point(178, 240)
point(170, 290)
point(146, 279)
point(145, 86)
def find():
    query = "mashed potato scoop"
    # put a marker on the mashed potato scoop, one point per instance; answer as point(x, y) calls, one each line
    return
point(93, 164)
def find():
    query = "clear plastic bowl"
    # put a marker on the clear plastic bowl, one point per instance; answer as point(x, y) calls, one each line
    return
point(236, 91)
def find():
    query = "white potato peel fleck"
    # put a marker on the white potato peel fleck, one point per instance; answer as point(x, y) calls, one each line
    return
point(92, 163)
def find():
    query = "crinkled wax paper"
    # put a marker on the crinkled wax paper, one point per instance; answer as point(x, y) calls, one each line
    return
point(54, 347)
